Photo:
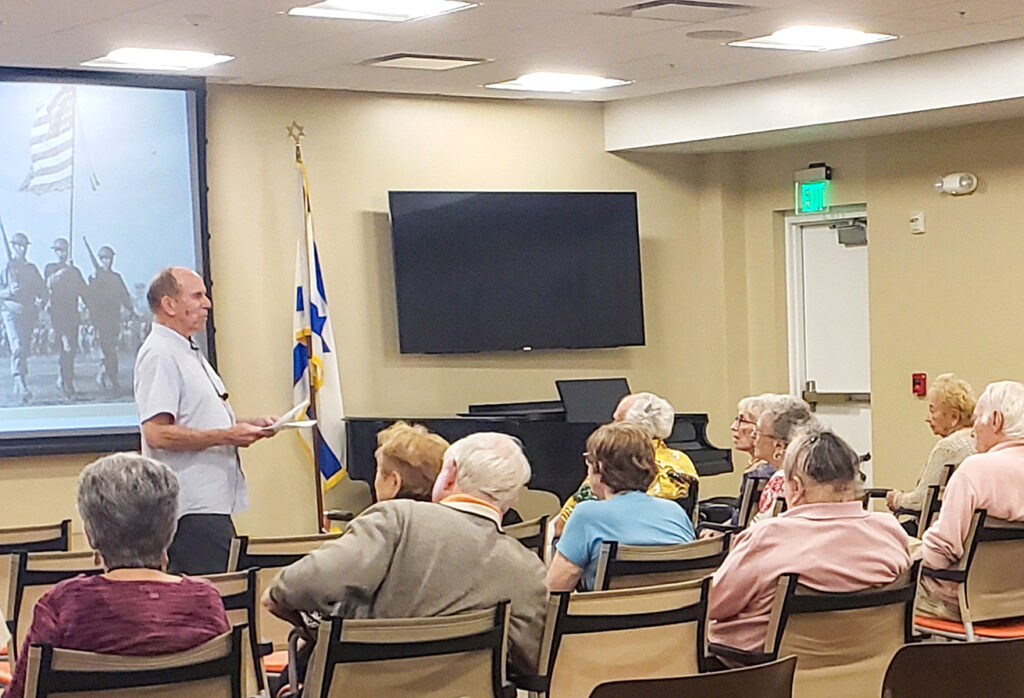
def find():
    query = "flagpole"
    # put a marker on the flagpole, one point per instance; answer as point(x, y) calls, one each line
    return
point(71, 205)
point(310, 366)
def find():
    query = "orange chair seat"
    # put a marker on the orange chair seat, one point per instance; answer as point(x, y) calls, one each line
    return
point(5, 674)
point(275, 662)
point(999, 629)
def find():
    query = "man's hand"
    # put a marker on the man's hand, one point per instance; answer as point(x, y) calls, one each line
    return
point(890, 498)
point(287, 614)
point(244, 434)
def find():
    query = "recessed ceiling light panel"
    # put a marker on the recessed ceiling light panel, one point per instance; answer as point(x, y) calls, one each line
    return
point(809, 38)
point(157, 59)
point(418, 61)
point(558, 82)
point(380, 10)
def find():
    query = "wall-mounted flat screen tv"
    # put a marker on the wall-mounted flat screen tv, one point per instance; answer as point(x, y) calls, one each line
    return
point(101, 185)
point(494, 271)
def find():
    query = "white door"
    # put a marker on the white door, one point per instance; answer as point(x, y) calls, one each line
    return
point(827, 275)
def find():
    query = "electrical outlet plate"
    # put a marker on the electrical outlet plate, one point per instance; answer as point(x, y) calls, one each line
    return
point(917, 222)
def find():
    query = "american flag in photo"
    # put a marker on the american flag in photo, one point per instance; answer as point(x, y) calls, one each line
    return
point(52, 145)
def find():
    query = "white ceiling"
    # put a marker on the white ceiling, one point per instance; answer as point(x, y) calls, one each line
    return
point(517, 36)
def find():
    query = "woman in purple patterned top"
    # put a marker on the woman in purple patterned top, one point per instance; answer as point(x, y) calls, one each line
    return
point(129, 505)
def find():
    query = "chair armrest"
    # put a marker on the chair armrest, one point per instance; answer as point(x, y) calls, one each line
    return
point(508, 690)
point(958, 576)
point(264, 649)
point(339, 515)
point(535, 683)
point(877, 492)
point(720, 527)
point(741, 657)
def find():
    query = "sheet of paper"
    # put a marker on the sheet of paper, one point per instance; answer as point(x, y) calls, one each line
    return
point(301, 424)
point(289, 416)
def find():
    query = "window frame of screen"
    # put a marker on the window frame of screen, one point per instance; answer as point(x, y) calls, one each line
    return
point(117, 438)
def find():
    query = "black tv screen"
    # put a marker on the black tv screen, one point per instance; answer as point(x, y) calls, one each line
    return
point(492, 271)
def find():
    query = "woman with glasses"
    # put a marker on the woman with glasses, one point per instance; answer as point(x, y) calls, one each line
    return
point(620, 467)
point(826, 537)
point(748, 410)
point(776, 427)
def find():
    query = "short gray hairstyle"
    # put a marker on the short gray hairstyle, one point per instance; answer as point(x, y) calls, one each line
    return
point(129, 504)
point(490, 465)
point(1008, 398)
point(824, 458)
point(787, 414)
point(163, 284)
point(653, 414)
point(754, 404)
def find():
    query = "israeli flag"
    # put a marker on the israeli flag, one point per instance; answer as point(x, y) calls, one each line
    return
point(315, 364)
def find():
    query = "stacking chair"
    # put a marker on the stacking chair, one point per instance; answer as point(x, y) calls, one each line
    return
point(926, 670)
point(989, 577)
point(26, 539)
point(750, 496)
point(932, 504)
point(843, 642)
point(625, 566)
point(533, 504)
point(444, 656)
point(594, 637)
point(771, 680)
point(238, 594)
point(269, 555)
point(923, 522)
point(212, 670)
point(34, 574)
point(532, 534)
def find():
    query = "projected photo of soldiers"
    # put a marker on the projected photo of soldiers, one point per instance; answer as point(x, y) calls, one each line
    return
point(22, 292)
point(67, 288)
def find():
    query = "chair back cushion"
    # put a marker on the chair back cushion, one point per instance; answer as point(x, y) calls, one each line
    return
point(629, 566)
point(994, 588)
point(601, 636)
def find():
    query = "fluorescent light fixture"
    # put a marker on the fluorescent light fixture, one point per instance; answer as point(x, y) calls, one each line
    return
point(419, 61)
point(157, 59)
point(380, 10)
point(558, 82)
point(808, 38)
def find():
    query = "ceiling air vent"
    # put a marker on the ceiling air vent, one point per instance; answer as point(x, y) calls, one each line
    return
point(419, 61)
point(689, 11)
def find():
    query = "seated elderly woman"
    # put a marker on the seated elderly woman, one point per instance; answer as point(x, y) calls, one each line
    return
point(950, 415)
point(748, 411)
point(408, 460)
point(825, 536)
point(780, 419)
point(620, 468)
point(992, 479)
point(129, 506)
point(656, 417)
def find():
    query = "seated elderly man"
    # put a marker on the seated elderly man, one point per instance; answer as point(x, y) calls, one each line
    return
point(655, 416)
point(620, 467)
point(129, 506)
point(993, 480)
point(825, 536)
point(781, 418)
point(403, 559)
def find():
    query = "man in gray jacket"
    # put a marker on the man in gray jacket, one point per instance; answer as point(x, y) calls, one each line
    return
point(405, 559)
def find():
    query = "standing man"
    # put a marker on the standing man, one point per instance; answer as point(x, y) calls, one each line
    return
point(188, 424)
point(108, 294)
point(22, 291)
point(66, 286)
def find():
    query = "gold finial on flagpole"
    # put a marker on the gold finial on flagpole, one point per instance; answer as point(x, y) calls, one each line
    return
point(296, 133)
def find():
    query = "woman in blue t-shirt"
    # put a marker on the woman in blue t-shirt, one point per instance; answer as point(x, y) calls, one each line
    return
point(620, 464)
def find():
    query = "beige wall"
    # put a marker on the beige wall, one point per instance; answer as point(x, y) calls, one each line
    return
point(712, 253)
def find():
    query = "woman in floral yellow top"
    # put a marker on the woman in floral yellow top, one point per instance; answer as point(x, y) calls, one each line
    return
point(655, 416)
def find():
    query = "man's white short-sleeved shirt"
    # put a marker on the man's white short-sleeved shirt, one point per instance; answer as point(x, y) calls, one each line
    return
point(173, 377)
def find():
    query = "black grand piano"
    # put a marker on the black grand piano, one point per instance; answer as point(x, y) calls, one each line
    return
point(553, 445)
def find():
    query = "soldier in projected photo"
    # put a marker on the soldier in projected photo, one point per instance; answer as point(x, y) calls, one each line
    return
point(67, 287)
point(108, 295)
point(22, 291)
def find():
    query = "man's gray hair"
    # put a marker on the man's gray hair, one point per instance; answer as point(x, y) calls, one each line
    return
point(163, 284)
point(653, 414)
point(129, 504)
point(786, 414)
point(1008, 398)
point(490, 465)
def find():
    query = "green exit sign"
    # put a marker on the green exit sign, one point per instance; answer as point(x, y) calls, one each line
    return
point(812, 197)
